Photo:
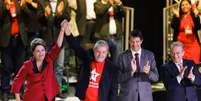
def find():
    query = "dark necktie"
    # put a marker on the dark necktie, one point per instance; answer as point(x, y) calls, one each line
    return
point(137, 62)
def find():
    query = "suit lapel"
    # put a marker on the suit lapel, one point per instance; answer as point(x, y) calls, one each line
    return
point(173, 68)
point(130, 55)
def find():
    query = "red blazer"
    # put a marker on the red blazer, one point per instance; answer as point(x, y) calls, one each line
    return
point(38, 84)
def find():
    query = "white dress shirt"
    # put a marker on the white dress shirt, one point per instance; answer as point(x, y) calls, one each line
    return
point(90, 9)
point(139, 53)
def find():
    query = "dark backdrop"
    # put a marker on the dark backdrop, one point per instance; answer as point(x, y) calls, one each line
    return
point(149, 19)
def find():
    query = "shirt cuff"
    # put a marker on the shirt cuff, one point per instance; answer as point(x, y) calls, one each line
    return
point(193, 79)
point(179, 79)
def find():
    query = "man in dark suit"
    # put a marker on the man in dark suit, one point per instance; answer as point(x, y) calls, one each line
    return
point(98, 76)
point(137, 68)
point(180, 76)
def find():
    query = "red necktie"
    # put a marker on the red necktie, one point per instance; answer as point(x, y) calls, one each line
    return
point(137, 62)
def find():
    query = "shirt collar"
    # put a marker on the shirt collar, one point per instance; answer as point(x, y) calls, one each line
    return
point(35, 68)
point(134, 52)
point(177, 63)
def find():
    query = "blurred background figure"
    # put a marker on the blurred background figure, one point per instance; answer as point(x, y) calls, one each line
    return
point(33, 21)
point(73, 16)
point(13, 41)
point(86, 20)
point(109, 14)
point(186, 25)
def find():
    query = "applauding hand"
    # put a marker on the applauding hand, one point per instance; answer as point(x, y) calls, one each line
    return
point(147, 68)
point(191, 76)
point(134, 66)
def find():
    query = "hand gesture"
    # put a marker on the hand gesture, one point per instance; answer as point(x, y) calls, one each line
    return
point(22, 2)
point(34, 4)
point(181, 70)
point(47, 10)
point(191, 76)
point(65, 26)
point(146, 68)
point(8, 4)
point(60, 8)
point(133, 65)
point(176, 12)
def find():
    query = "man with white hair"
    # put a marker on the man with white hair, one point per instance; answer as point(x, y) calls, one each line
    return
point(180, 76)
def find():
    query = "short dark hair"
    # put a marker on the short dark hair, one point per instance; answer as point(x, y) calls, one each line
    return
point(136, 33)
point(37, 41)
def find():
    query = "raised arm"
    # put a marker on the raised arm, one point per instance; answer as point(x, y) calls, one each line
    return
point(61, 33)
point(53, 53)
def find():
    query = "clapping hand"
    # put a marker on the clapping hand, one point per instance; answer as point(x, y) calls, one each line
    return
point(181, 70)
point(134, 66)
point(60, 8)
point(47, 10)
point(191, 76)
point(146, 68)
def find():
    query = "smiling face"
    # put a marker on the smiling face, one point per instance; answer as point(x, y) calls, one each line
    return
point(100, 53)
point(177, 54)
point(39, 53)
point(185, 7)
point(135, 43)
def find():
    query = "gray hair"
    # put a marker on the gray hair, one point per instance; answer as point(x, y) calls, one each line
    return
point(176, 44)
point(101, 43)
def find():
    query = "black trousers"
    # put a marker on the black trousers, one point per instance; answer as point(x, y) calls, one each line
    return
point(12, 58)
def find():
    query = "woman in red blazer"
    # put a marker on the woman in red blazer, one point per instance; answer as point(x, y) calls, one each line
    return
point(38, 72)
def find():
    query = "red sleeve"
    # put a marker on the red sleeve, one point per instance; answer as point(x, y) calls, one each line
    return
point(54, 51)
point(19, 79)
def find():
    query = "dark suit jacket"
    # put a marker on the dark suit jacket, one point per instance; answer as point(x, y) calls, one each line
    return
point(186, 89)
point(175, 24)
point(108, 83)
point(139, 83)
point(6, 25)
point(102, 20)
